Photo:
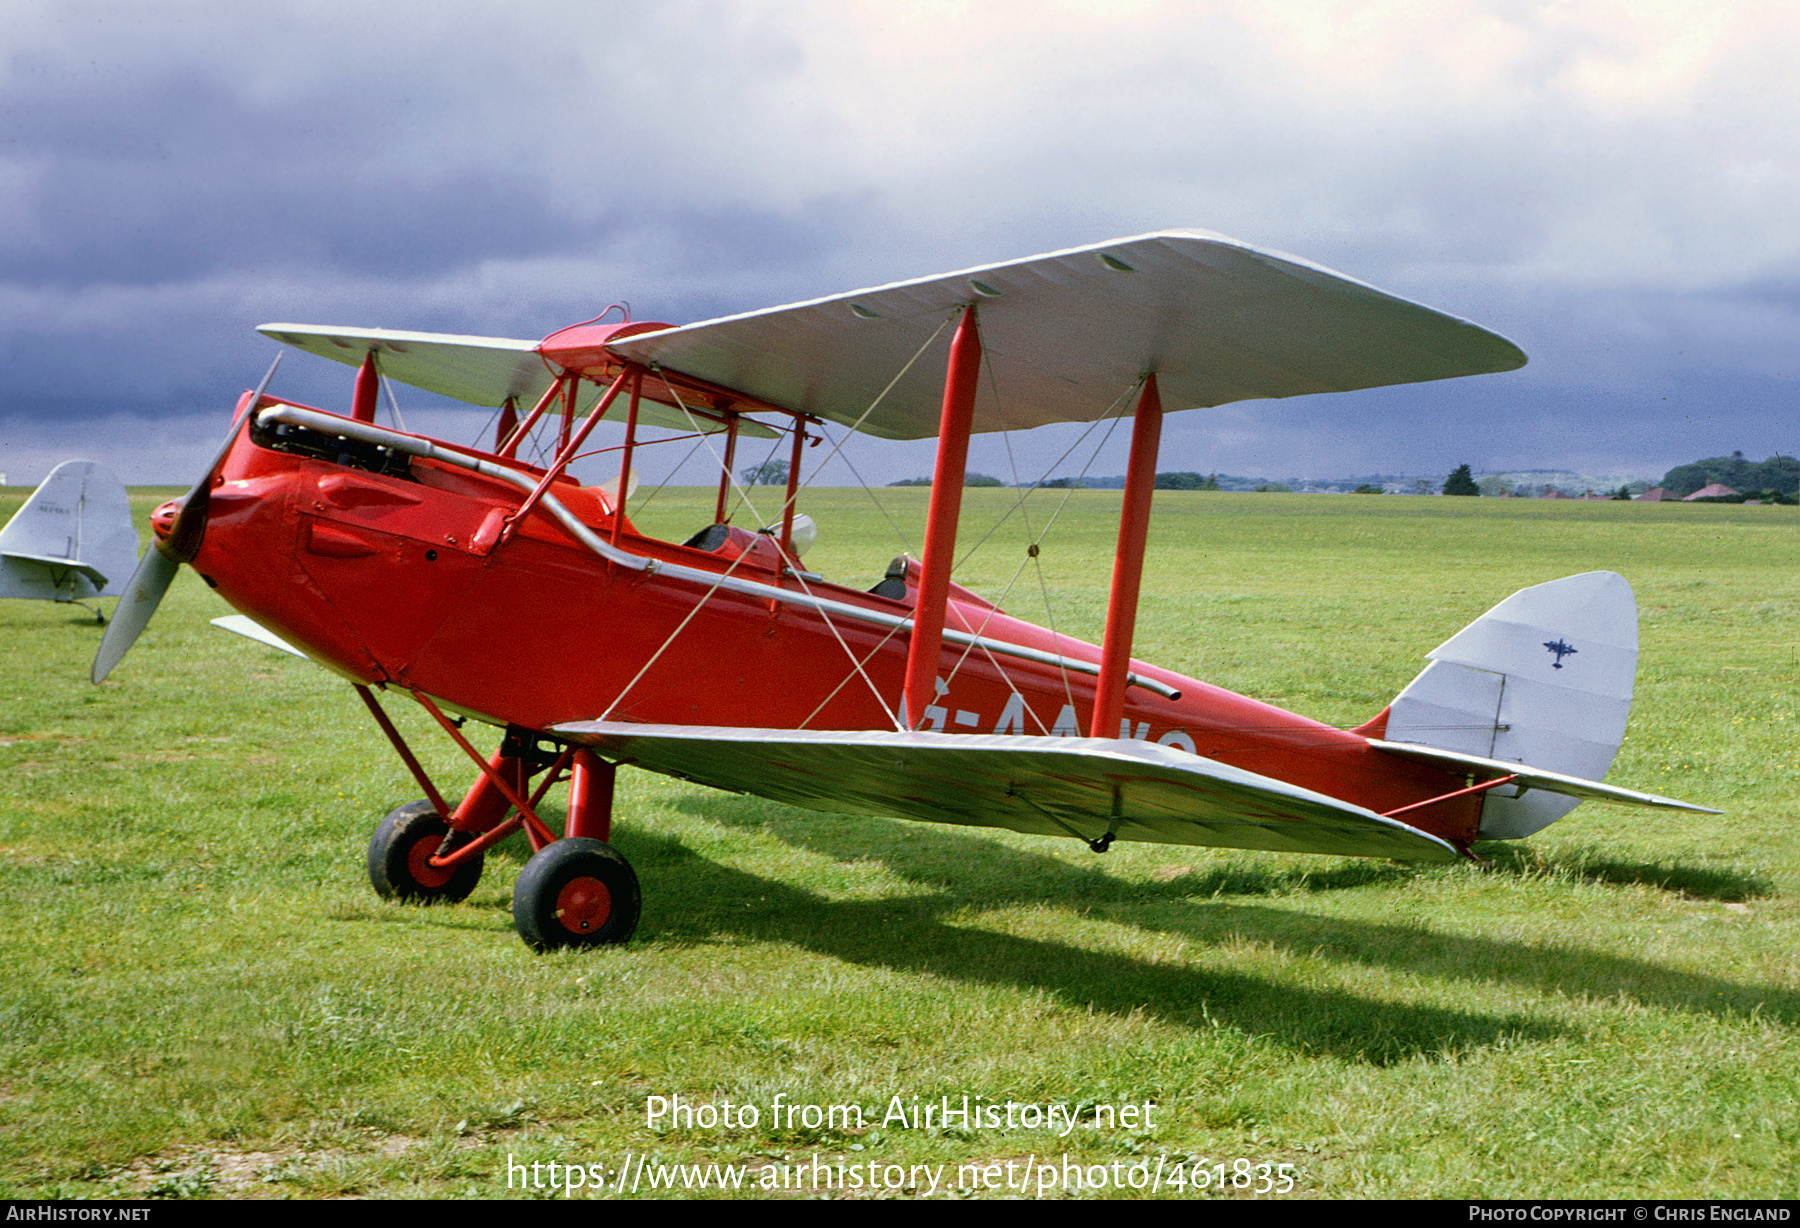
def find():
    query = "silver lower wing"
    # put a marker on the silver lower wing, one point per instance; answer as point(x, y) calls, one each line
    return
point(250, 629)
point(1080, 787)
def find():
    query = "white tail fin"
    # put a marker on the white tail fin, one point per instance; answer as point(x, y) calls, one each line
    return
point(72, 540)
point(1544, 678)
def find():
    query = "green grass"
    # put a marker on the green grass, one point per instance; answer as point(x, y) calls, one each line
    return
point(203, 996)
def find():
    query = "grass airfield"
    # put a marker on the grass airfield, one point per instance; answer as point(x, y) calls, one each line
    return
point(203, 997)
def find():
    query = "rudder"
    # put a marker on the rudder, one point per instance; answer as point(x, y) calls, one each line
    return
point(1544, 678)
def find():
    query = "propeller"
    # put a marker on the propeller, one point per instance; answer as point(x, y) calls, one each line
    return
point(156, 570)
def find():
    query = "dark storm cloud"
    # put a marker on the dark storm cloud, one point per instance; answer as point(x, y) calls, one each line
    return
point(1610, 185)
point(176, 176)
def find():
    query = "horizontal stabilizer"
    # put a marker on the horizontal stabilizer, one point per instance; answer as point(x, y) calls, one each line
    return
point(474, 370)
point(1533, 778)
point(1045, 786)
point(93, 575)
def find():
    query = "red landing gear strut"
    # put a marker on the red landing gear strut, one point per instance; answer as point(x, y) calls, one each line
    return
point(576, 891)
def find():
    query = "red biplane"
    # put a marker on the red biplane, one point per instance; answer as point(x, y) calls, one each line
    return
point(486, 587)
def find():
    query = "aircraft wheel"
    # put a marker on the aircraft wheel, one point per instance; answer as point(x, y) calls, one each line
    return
point(400, 858)
point(576, 893)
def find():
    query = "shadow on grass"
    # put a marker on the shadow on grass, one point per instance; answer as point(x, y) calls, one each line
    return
point(30, 617)
point(1554, 968)
point(940, 857)
point(1587, 865)
point(696, 900)
point(428, 916)
point(969, 870)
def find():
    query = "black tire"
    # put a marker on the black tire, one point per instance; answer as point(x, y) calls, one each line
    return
point(398, 866)
point(576, 893)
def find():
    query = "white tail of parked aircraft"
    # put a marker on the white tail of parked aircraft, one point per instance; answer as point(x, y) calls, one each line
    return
point(72, 541)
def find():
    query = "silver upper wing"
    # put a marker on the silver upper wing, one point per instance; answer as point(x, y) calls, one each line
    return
point(1066, 334)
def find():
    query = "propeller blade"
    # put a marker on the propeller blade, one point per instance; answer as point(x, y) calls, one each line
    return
point(156, 570)
point(190, 523)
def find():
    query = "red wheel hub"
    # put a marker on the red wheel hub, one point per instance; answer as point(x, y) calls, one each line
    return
point(583, 905)
point(418, 863)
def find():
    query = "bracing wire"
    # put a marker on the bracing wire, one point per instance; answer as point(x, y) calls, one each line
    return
point(1112, 418)
point(857, 664)
point(656, 490)
point(845, 681)
point(671, 638)
point(906, 545)
point(819, 466)
point(387, 386)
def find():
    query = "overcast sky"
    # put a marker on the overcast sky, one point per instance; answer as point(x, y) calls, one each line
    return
point(1611, 185)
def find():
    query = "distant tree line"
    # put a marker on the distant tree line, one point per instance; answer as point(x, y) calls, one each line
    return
point(1183, 480)
point(1164, 481)
point(1187, 481)
point(1779, 475)
point(1776, 479)
point(969, 479)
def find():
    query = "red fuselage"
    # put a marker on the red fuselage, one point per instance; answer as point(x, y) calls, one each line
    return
point(391, 574)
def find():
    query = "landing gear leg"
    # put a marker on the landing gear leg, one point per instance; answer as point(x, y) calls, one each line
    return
point(574, 892)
